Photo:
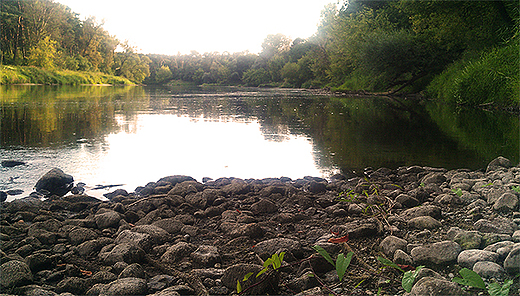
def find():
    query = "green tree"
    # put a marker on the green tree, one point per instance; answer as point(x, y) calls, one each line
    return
point(43, 54)
point(163, 75)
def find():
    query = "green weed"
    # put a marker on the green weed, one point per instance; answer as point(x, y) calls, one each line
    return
point(342, 261)
point(275, 261)
point(457, 191)
point(472, 279)
point(408, 276)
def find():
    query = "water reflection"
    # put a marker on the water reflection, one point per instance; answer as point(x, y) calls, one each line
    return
point(133, 135)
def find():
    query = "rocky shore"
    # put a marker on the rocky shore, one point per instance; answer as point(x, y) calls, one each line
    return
point(177, 236)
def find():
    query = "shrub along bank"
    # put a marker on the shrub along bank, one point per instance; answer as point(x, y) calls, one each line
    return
point(24, 74)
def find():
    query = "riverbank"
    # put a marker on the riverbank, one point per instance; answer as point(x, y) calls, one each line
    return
point(34, 75)
point(177, 236)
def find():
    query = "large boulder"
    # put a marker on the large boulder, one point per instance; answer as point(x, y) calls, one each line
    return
point(56, 182)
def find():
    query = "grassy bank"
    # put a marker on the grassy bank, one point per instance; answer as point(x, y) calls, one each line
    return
point(22, 74)
point(493, 77)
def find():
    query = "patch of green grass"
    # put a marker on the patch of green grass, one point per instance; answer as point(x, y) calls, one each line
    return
point(22, 75)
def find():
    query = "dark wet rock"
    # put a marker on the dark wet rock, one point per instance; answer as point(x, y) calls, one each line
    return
point(468, 258)
point(407, 201)
point(14, 192)
point(80, 235)
point(107, 219)
point(56, 182)
point(39, 261)
point(468, 240)
point(102, 277)
point(401, 257)
point(498, 163)
point(12, 163)
point(171, 225)
point(92, 247)
point(264, 206)
point(173, 180)
point(186, 187)
point(435, 286)
point(434, 178)
point(441, 253)
point(143, 240)
point(117, 192)
point(74, 285)
point(362, 228)
point(126, 252)
point(3, 196)
point(160, 282)
point(252, 230)
point(15, 273)
point(134, 270)
point(391, 244)
point(126, 287)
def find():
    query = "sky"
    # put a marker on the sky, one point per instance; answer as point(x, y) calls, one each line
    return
point(179, 26)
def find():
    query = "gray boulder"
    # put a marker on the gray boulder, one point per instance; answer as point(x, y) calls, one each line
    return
point(512, 262)
point(489, 270)
point(127, 286)
point(391, 244)
point(442, 253)
point(468, 258)
point(434, 286)
point(55, 182)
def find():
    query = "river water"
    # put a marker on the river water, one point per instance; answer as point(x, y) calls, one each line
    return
point(134, 135)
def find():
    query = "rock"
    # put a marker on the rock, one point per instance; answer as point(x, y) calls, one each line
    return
point(468, 240)
point(14, 273)
point(269, 247)
point(109, 219)
point(362, 228)
point(506, 203)
point(406, 200)
point(91, 247)
point(468, 258)
point(426, 210)
point(127, 287)
point(186, 188)
point(512, 262)
point(498, 163)
point(157, 234)
point(434, 286)
point(129, 253)
point(400, 257)
point(264, 206)
point(176, 252)
point(81, 235)
point(391, 244)
point(252, 230)
point(160, 282)
point(489, 270)
point(497, 225)
point(103, 277)
point(133, 270)
point(317, 187)
point(424, 222)
point(171, 225)
point(3, 196)
point(205, 256)
point(56, 182)
point(74, 285)
point(143, 240)
point(441, 253)
point(434, 178)
point(12, 163)
point(117, 192)
point(236, 273)
point(38, 261)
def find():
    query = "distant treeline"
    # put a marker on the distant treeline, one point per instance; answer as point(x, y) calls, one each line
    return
point(464, 51)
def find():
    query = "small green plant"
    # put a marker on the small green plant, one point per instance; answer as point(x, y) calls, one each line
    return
point(473, 279)
point(516, 189)
point(342, 261)
point(457, 191)
point(275, 261)
point(408, 276)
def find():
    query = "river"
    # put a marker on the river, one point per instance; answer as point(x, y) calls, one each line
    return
point(105, 135)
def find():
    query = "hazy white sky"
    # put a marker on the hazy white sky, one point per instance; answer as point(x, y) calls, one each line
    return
point(171, 26)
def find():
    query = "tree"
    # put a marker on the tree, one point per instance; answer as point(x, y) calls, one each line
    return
point(164, 74)
point(43, 54)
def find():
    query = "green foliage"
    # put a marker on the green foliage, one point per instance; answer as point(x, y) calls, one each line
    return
point(275, 261)
point(470, 278)
point(408, 276)
point(457, 191)
point(18, 75)
point(43, 54)
point(342, 261)
point(495, 289)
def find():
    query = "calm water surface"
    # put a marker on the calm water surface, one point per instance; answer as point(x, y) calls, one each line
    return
point(135, 135)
